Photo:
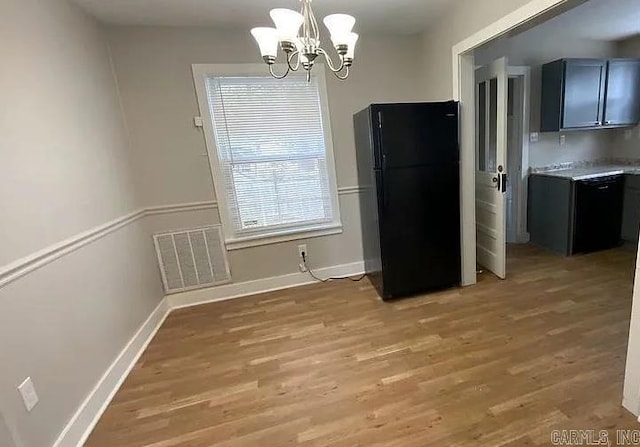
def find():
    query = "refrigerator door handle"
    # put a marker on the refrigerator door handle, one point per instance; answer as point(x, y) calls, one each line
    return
point(384, 194)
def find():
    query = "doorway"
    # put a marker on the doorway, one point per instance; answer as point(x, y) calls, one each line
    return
point(502, 157)
point(518, 100)
point(464, 91)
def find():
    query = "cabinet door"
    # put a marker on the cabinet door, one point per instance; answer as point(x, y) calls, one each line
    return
point(584, 87)
point(631, 208)
point(622, 103)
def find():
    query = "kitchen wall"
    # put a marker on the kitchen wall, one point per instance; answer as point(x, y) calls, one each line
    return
point(64, 170)
point(533, 48)
point(626, 142)
point(153, 66)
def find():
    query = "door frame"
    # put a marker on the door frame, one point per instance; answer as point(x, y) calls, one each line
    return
point(464, 91)
point(523, 73)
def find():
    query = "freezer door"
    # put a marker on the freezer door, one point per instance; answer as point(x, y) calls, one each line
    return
point(415, 134)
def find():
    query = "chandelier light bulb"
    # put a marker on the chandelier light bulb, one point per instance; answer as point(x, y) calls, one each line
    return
point(340, 26)
point(267, 39)
point(287, 22)
point(352, 39)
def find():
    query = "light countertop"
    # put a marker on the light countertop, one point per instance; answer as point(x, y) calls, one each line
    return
point(591, 172)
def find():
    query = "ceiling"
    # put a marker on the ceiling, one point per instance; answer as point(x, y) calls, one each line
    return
point(599, 20)
point(391, 16)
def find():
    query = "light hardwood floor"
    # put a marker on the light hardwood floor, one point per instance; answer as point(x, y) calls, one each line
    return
point(498, 364)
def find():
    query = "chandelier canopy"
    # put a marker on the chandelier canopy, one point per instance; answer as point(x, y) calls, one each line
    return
point(302, 47)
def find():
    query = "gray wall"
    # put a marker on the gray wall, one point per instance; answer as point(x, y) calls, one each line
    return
point(153, 66)
point(6, 438)
point(533, 48)
point(64, 169)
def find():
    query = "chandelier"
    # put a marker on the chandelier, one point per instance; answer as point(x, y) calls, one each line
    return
point(301, 50)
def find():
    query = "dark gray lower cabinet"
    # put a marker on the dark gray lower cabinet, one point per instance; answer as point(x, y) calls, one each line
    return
point(568, 216)
point(631, 209)
point(551, 212)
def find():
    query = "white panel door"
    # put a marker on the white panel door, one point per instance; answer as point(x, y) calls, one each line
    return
point(491, 162)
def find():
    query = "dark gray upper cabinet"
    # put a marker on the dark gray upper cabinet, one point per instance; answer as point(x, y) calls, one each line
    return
point(589, 93)
point(622, 103)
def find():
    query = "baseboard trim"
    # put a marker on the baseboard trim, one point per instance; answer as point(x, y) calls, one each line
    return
point(86, 417)
point(240, 289)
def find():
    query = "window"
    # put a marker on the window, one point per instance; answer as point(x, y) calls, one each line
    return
point(270, 147)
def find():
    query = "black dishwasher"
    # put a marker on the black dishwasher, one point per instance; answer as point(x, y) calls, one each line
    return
point(598, 213)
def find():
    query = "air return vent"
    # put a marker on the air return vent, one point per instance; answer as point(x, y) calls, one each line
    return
point(192, 259)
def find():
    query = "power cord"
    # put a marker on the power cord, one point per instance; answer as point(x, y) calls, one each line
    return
point(304, 262)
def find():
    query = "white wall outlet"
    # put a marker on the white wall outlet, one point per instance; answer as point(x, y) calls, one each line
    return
point(534, 137)
point(563, 140)
point(197, 121)
point(28, 393)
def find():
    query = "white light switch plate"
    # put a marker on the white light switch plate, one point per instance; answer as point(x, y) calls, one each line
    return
point(533, 137)
point(28, 393)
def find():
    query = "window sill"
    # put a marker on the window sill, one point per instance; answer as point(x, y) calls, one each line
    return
point(283, 236)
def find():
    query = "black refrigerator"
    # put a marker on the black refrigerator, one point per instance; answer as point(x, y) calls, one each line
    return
point(408, 171)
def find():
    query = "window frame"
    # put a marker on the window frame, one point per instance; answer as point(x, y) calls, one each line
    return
point(233, 241)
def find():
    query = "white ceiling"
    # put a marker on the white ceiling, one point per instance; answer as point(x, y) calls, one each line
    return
point(393, 16)
point(599, 20)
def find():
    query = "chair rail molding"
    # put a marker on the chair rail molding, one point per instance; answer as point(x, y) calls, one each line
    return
point(23, 266)
point(27, 264)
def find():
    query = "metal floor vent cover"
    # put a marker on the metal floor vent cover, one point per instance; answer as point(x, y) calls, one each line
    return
point(192, 259)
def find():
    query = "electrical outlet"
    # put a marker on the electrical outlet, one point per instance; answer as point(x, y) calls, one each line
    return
point(302, 249)
point(563, 140)
point(534, 137)
point(28, 393)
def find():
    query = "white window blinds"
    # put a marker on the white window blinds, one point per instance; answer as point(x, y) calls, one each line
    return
point(271, 151)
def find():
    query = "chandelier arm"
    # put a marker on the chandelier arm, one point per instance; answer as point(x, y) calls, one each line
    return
point(330, 62)
point(314, 25)
point(290, 57)
point(276, 75)
point(342, 77)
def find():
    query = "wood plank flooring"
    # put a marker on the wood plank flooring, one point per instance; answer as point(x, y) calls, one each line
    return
point(498, 364)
